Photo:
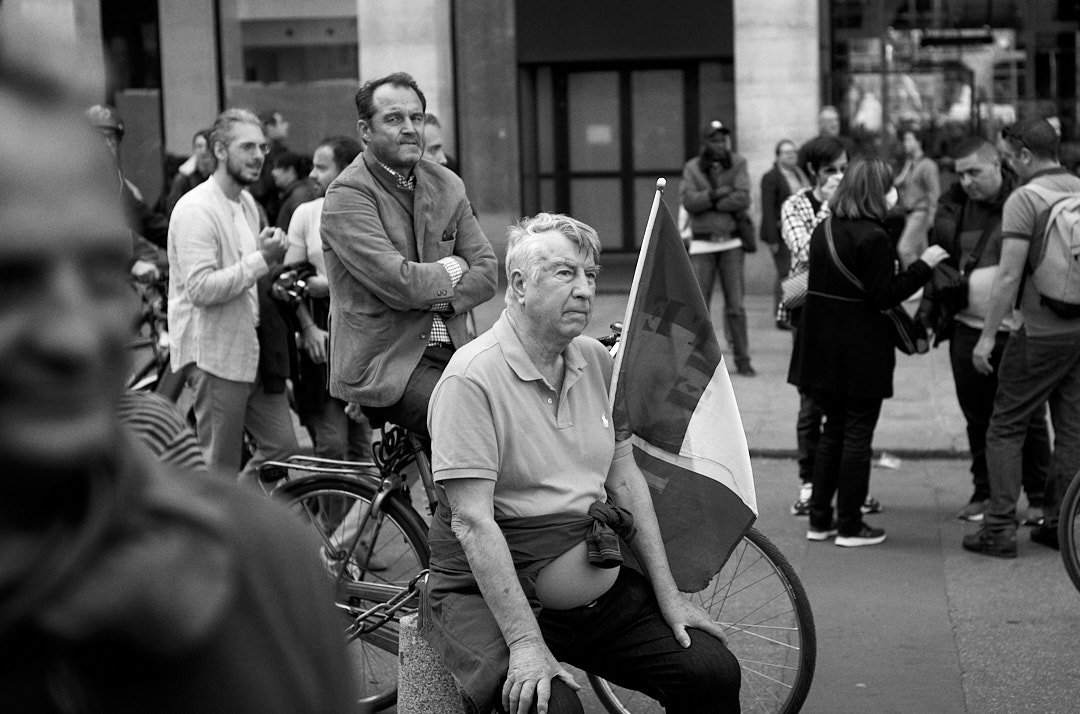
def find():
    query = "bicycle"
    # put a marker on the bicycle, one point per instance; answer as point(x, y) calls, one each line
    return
point(1069, 530)
point(756, 596)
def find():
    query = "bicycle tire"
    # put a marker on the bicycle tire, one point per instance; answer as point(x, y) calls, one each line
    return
point(768, 625)
point(1069, 530)
point(397, 540)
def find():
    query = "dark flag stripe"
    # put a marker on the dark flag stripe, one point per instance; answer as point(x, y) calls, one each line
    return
point(684, 500)
point(671, 350)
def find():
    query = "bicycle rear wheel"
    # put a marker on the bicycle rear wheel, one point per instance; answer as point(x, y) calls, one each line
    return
point(769, 627)
point(372, 557)
point(1069, 530)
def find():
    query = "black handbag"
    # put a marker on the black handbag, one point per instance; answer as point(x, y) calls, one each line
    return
point(909, 336)
point(949, 286)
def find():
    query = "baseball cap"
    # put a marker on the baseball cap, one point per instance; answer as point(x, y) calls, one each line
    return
point(714, 127)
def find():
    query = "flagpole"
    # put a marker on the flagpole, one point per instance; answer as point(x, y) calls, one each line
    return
point(661, 183)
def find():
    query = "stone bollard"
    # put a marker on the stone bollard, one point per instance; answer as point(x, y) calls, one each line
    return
point(425, 685)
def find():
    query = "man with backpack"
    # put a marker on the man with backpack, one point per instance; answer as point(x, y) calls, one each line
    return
point(1039, 262)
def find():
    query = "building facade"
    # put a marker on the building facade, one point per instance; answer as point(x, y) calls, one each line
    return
point(579, 106)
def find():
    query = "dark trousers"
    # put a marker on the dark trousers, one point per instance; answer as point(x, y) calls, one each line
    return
point(782, 260)
point(975, 392)
point(1033, 371)
point(808, 423)
point(412, 409)
point(843, 461)
point(808, 435)
point(623, 638)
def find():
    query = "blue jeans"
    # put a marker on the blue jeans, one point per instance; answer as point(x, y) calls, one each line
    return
point(975, 393)
point(1033, 370)
point(729, 264)
point(843, 461)
point(623, 638)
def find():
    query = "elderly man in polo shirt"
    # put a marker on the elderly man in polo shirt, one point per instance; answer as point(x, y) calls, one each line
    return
point(405, 258)
point(526, 569)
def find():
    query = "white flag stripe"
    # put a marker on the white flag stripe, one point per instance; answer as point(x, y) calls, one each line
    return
point(715, 435)
point(715, 443)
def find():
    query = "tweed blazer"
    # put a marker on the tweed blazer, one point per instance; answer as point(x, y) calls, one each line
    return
point(384, 275)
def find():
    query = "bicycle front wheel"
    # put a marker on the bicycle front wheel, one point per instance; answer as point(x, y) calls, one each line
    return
point(1069, 531)
point(768, 625)
point(372, 557)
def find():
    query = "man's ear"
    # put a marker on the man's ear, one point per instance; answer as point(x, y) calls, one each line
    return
point(517, 285)
point(363, 129)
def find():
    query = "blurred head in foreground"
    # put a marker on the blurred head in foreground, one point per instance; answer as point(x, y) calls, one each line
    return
point(65, 306)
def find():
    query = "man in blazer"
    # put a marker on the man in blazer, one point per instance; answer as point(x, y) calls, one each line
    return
point(406, 260)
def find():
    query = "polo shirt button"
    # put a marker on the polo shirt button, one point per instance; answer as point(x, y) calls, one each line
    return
point(549, 400)
point(441, 293)
point(423, 336)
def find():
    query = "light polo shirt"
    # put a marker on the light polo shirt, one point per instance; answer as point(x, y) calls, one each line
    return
point(492, 415)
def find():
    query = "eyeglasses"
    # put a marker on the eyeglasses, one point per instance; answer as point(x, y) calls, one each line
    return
point(250, 147)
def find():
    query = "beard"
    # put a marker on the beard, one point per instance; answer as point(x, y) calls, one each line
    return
point(238, 171)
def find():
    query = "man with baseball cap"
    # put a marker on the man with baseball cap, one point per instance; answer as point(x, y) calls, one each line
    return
point(715, 189)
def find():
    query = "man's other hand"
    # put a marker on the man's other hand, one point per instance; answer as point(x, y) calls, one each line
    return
point(273, 242)
point(680, 613)
point(980, 356)
point(352, 410)
point(532, 667)
point(314, 342)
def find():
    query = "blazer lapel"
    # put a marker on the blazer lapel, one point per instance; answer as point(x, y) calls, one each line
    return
point(422, 202)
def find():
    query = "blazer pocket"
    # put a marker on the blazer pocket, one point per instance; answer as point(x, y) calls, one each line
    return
point(446, 247)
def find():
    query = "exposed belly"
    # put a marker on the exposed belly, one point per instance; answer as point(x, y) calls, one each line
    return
point(570, 580)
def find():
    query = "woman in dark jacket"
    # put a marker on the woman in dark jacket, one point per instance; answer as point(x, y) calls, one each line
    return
point(844, 354)
point(779, 182)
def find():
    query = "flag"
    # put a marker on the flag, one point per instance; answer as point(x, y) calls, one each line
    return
point(671, 388)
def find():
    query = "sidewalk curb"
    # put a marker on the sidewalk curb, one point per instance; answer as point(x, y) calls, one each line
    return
point(912, 454)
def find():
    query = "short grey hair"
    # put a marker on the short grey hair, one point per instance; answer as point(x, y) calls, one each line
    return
point(521, 245)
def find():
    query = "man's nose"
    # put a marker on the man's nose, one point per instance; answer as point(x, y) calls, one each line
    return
point(584, 286)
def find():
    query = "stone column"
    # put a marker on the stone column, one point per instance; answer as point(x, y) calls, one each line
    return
point(188, 70)
point(412, 37)
point(777, 93)
point(487, 80)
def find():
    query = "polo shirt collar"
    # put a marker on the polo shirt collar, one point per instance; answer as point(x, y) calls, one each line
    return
point(519, 361)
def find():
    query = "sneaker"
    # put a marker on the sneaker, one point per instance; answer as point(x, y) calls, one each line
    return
point(866, 536)
point(973, 512)
point(871, 505)
point(996, 543)
point(815, 534)
point(1045, 535)
point(1033, 517)
point(802, 506)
